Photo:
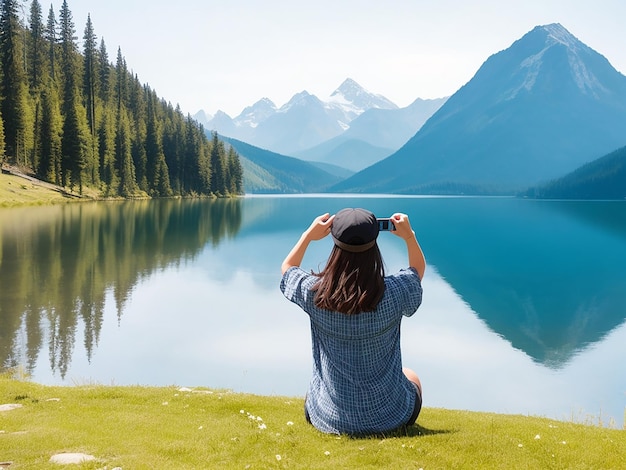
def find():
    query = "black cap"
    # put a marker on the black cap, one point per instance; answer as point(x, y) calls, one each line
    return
point(354, 230)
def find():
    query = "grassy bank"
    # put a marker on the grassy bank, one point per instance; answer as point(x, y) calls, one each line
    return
point(18, 191)
point(172, 427)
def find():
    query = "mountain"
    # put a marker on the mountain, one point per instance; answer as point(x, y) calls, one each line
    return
point(202, 117)
point(373, 135)
point(350, 100)
point(604, 178)
point(301, 123)
point(531, 113)
point(269, 172)
point(350, 113)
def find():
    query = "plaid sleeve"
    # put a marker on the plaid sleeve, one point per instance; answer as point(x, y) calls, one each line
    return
point(405, 288)
point(296, 286)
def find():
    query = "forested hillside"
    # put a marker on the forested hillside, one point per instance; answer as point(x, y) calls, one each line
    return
point(74, 118)
point(269, 172)
point(604, 178)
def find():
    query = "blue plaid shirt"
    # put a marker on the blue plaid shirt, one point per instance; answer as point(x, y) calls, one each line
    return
point(358, 386)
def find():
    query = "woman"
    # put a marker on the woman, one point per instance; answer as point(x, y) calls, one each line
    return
point(358, 385)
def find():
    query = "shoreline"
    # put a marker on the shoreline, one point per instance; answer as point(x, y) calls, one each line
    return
point(182, 427)
point(589, 420)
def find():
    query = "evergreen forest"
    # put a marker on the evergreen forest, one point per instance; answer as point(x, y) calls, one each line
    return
point(604, 178)
point(74, 118)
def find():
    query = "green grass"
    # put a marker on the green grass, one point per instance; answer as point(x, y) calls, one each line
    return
point(135, 427)
point(16, 191)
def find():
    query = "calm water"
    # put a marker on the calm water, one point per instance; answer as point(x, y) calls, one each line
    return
point(524, 307)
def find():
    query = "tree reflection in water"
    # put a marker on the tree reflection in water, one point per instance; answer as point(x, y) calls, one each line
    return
point(58, 263)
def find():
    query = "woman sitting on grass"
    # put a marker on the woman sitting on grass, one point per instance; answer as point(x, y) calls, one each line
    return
point(358, 386)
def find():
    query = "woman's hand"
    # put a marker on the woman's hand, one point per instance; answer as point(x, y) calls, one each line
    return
point(402, 225)
point(319, 228)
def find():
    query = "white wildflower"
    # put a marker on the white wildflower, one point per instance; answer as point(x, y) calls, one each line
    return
point(520, 445)
point(278, 457)
point(200, 427)
point(327, 453)
point(537, 437)
point(165, 403)
point(241, 411)
point(258, 418)
point(289, 423)
point(262, 426)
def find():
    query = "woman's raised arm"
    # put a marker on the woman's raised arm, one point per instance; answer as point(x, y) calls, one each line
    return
point(319, 228)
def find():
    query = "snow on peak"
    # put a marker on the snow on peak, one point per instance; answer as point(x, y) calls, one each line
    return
point(253, 115)
point(351, 93)
point(350, 100)
point(577, 52)
point(558, 34)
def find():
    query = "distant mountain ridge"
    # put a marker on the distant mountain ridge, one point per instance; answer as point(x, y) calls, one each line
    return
point(531, 113)
point(358, 121)
point(374, 135)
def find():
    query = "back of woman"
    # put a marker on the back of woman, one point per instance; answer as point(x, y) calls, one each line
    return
point(358, 385)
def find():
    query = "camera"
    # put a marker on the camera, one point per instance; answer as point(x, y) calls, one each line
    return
point(385, 224)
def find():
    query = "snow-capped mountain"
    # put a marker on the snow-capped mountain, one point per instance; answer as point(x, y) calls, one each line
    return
point(531, 113)
point(351, 100)
point(306, 121)
point(253, 115)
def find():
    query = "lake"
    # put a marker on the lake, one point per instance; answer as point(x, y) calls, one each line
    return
point(524, 306)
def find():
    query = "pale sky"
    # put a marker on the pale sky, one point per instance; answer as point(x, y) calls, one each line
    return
point(228, 54)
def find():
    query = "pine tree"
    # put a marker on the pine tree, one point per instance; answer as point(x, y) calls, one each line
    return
point(123, 155)
point(37, 49)
point(121, 80)
point(90, 76)
point(75, 141)
point(157, 172)
point(50, 34)
point(13, 86)
point(104, 73)
point(173, 146)
point(106, 152)
point(218, 170)
point(90, 85)
point(49, 167)
point(235, 171)
point(137, 108)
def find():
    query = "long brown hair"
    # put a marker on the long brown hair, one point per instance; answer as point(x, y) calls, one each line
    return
point(351, 283)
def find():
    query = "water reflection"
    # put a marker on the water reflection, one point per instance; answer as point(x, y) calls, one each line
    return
point(523, 309)
point(57, 264)
point(546, 275)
